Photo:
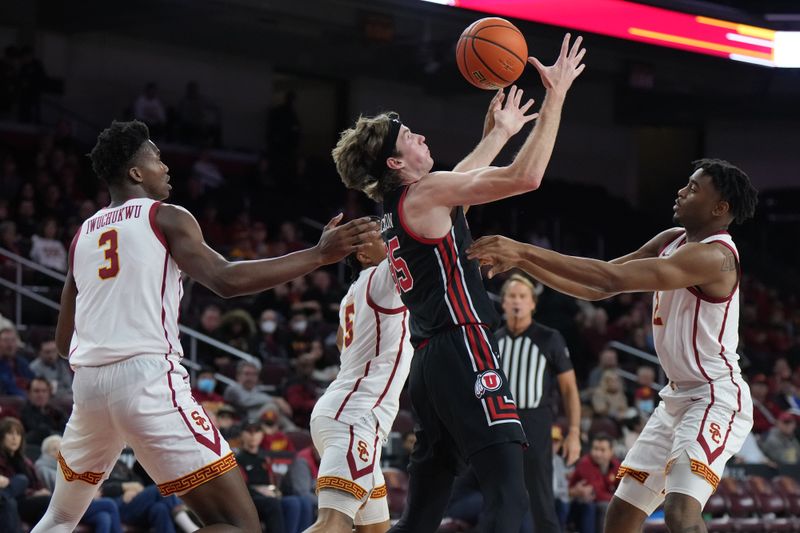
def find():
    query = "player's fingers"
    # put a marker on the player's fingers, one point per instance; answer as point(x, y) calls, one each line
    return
point(576, 46)
point(527, 106)
point(579, 70)
point(540, 68)
point(565, 45)
point(579, 57)
point(512, 96)
point(332, 223)
point(518, 98)
point(530, 117)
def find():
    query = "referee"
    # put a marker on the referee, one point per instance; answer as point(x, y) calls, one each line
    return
point(532, 355)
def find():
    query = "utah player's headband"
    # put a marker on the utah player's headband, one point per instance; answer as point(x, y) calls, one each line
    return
point(379, 167)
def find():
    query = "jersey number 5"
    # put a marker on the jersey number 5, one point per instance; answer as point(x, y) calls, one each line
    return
point(349, 313)
point(108, 240)
point(400, 273)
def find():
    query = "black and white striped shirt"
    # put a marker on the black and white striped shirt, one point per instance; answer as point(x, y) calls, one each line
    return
point(530, 361)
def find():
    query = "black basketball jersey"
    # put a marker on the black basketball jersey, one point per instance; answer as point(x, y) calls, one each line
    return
point(440, 286)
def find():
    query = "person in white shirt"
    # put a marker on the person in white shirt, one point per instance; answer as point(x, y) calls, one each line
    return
point(46, 249)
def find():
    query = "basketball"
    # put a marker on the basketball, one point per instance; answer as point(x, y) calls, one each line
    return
point(491, 53)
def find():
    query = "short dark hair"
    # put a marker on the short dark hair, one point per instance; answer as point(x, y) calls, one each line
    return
point(733, 185)
point(115, 148)
point(602, 437)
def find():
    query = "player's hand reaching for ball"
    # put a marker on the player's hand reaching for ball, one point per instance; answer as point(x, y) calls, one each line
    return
point(508, 118)
point(501, 253)
point(337, 242)
point(559, 76)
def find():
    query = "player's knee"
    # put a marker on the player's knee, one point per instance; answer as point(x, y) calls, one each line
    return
point(681, 511)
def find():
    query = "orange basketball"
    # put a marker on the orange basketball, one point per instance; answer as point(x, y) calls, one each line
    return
point(491, 53)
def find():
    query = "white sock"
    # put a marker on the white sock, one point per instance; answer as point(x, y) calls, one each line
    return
point(183, 521)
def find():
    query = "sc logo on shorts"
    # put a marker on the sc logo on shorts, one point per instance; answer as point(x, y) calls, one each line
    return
point(487, 381)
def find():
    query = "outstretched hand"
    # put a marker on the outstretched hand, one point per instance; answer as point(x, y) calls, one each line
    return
point(337, 242)
point(559, 76)
point(510, 117)
point(501, 253)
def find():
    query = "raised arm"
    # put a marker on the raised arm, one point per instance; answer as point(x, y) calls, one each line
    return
point(525, 173)
point(694, 264)
point(229, 279)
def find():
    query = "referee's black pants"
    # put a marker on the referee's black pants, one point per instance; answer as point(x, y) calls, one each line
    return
point(538, 468)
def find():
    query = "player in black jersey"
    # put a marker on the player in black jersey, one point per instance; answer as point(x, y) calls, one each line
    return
point(458, 391)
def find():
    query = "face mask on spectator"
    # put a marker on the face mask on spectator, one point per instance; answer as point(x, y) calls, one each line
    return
point(206, 385)
point(299, 326)
point(646, 406)
point(269, 326)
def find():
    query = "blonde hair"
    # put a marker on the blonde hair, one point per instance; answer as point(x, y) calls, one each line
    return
point(356, 151)
point(519, 278)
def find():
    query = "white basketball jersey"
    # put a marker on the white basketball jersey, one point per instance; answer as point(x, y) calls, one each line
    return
point(129, 288)
point(376, 352)
point(695, 335)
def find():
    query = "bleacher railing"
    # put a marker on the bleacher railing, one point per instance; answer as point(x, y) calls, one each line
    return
point(22, 291)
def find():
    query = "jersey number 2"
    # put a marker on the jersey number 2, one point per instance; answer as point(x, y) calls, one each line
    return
point(400, 273)
point(108, 240)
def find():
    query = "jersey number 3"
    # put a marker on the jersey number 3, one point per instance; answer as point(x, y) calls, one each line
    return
point(400, 273)
point(108, 240)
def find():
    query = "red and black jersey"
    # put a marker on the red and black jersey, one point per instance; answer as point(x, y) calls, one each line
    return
point(440, 286)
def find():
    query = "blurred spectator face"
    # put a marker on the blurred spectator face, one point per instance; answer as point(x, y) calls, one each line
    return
point(206, 382)
point(39, 392)
point(409, 441)
point(305, 365)
point(252, 436)
point(53, 194)
point(269, 321)
point(601, 452)
point(12, 440)
point(646, 375)
point(781, 369)
point(608, 358)
point(9, 343)
point(258, 233)
point(50, 229)
point(600, 319)
point(225, 419)
point(26, 209)
point(321, 280)
point(211, 318)
point(518, 301)
point(759, 390)
point(269, 421)
point(247, 376)
point(787, 426)
point(48, 352)
point(27, 191)
point(288, 232)
point(298, 324)
point(86, 209)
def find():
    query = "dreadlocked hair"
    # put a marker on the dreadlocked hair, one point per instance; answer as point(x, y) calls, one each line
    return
point(733, 185)
point(356, 151)
point(115, 147)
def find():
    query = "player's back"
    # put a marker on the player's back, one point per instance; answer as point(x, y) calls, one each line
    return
point(129, 288)
point(440, 286)
point(376, 352)
point(695, 335)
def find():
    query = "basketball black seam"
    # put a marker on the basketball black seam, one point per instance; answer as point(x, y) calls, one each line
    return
point(474, 51)
point(473, 37)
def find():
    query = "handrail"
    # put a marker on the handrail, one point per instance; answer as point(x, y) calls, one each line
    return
point(33, 265)
point(641, 354)
point(217, 344)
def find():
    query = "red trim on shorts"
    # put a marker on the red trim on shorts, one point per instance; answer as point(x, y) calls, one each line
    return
point(351, 462)
point(215, 445)
point(154, 225)
point(396, 363)
point(416, 237)
point(378, 308)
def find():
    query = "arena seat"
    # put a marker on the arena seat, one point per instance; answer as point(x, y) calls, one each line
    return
point(770, 505)
point(717, 507)
point(403, 422)
point(741, 505)
point(397, 489)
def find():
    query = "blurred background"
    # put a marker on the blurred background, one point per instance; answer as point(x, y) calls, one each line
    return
point(246, 98)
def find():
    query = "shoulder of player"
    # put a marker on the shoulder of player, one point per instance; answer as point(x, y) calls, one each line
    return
point(171, 215)
point(657, 244)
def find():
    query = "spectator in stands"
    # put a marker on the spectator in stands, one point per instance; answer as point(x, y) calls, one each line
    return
point(237, 328)
point(290, 236)
point(765, 410)
point(143, 506)
point(788, 398)
point(226, 422)
point(27, 221)
point(274, 439)
point(645, 396)
point(23, 483)
point(149, 109)
point(595, 333)
point(192, 116)
point(39, 417)
point(593, 482)
point(402, 457)
point(245, 396)
point(301, 478)
point(15, 373)
point(204, 390)
point(258, 240)
point(751, 454)
point(300, 335)
point(608, 398)
point(47, 249)
point(560, 481)
point(56, 370)
point(608, 360)
point(272, 343)
point(207, 355)
point(781, 444)
point(301, 391)
point(102, 513)
point(781, 371)
point(207, 172)
point(278, 513)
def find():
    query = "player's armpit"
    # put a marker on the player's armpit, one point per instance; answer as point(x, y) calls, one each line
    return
point(66, 316)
